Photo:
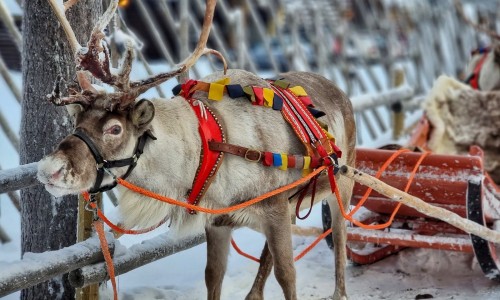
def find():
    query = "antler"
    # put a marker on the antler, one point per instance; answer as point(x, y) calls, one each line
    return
point(201, 49)
point(460, 10)
point(84, 98)
point(94, 58)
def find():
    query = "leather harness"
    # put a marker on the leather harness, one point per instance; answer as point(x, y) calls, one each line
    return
point(473, 79)
point(319, 145)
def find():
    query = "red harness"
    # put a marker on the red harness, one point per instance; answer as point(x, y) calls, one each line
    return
point(294, 110)
point(210, 130)
point(473, 80)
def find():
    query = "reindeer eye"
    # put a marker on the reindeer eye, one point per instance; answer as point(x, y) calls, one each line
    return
point(115, 130)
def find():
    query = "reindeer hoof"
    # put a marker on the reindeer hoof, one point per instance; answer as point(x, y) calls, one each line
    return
point(339, 296)
point(254, 296)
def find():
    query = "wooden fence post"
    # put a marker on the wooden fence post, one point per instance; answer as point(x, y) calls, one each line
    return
point(84, 231)
point(398, 114)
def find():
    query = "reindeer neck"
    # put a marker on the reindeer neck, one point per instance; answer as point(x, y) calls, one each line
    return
point(174, 156)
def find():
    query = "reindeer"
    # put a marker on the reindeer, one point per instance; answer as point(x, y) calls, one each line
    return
point(483, 70)
point(111, 124)
point(449, 103)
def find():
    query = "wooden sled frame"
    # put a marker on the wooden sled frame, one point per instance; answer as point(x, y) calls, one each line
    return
point(455, 182)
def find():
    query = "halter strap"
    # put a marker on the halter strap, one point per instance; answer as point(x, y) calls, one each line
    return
point(102, 164)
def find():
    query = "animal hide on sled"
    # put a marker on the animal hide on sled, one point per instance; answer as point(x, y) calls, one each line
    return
point(462, 117)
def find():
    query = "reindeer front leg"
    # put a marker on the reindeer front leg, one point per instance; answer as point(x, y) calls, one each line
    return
point(218, 240)
point(278, 232)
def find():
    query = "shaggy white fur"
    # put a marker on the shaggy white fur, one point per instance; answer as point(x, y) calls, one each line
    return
point(444, 89)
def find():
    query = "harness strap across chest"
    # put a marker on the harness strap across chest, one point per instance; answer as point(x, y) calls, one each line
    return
point(210, 131)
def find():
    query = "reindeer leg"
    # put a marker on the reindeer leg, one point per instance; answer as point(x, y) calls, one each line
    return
point(339, 232)
point(265, 267)
point(218, 239)
point(278, 232)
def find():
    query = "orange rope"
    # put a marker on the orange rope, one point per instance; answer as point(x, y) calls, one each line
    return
point(313, 244)
point(242, 253)
point(389, 222)
point(296, 258)
point(99, 228)
point(225, 210)
point(127, 231)
point(256, 200)
point(377, 175)
point(356, 208)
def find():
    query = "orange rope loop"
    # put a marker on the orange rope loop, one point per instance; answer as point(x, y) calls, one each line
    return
point(349, 216)
point(224, 210)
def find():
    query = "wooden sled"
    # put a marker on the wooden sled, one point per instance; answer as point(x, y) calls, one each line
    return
point(457, 183)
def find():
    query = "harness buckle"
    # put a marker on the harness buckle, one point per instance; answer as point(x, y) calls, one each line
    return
point(247, 153)
point(110, 173)
point(88, 207)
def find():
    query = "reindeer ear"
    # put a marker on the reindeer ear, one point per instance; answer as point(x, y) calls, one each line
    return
point(74, 110)
point(142, 113)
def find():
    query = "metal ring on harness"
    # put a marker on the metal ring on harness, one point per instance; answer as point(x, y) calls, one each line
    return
point(253, 160)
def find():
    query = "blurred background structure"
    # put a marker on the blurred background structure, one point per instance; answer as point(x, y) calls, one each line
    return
point(356, 43)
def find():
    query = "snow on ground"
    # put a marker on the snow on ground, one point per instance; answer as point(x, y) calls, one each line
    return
point(411, 274)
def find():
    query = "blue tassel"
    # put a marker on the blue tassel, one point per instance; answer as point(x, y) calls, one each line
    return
point(277, 102)
point(235, 90)
point(177, 89)
point(277, 160)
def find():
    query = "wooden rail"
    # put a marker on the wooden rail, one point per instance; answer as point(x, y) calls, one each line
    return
point(39, 267)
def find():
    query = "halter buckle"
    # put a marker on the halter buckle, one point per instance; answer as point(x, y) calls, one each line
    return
point(247, 153)
point(110, 173)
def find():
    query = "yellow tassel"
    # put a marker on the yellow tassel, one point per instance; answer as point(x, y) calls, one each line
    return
point(284, 162)
point(307, 162)
point(268, 97)
point(298, 91)
point(216, 91)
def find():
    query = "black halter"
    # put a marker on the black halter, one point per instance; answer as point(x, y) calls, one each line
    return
point(102, 165)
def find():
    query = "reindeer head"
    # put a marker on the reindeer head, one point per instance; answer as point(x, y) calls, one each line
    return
point(110, 127)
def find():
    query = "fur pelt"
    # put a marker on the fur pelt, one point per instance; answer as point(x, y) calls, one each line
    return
point(462, 117)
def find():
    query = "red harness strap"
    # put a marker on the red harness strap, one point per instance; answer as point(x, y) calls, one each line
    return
point(305, 125)
point(474, 79)
point(210, 130)
point(319, 147)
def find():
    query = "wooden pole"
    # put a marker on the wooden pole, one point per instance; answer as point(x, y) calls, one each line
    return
point(84, 231)
point(137, 256)
point(421, 206)
point(398, 114)
point(35, 268)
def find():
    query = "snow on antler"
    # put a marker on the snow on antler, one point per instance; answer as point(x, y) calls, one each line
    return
point(95, 58)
